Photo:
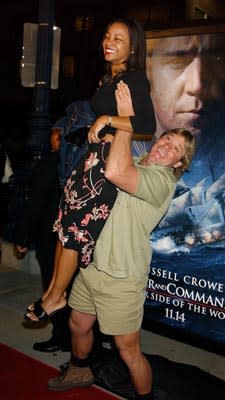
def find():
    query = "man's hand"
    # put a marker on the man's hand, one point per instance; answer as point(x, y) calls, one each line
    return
point(21, 249)
point(123, 100)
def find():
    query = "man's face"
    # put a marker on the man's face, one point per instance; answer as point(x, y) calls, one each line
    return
point(167, 151)
point(187, 75)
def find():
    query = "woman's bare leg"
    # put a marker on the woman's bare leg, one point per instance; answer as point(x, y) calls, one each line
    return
point(66, 267)
point(54, 273)
point(56, 260)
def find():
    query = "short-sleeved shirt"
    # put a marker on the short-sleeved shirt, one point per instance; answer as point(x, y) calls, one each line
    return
point(123, 248)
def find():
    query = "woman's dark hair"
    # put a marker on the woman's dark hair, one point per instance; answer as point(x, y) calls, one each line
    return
point(137, 56)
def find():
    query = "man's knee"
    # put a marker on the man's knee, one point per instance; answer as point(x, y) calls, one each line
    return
point(73, 323)
point(128, 345)
point(81, 323)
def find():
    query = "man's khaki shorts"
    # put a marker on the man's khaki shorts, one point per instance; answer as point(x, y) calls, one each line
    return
point(117, 303)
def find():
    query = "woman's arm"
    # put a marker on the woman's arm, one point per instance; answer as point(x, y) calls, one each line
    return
point(142, 120)
point(108, 120)
point(122, 121)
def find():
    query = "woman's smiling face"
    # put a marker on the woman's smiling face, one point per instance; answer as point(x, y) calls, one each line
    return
point(116, 44)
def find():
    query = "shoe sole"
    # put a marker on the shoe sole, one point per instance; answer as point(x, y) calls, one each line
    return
point(53, 349)
point(70, 386)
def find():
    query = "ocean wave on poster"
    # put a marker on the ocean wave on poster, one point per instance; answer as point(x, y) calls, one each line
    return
point(166, 245)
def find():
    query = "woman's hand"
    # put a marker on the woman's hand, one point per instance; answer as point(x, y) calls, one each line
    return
point(97, 126)
point(125, 110)
point(124, 100)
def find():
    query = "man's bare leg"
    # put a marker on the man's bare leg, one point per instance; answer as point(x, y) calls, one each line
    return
point(78, 373)
point(139, 368)
point(82, 335)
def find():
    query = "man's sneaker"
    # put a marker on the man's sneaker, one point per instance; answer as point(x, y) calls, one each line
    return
point(72, 377)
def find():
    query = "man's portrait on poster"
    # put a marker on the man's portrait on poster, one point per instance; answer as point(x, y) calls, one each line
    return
point(186, 289)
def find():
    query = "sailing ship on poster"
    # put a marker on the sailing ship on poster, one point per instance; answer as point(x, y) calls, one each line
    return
point(195, 219)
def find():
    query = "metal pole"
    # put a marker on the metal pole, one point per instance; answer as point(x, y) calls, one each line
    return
point(40, 123)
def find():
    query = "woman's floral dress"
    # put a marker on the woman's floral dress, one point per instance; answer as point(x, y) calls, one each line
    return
point(88, 197)
point(86, 203)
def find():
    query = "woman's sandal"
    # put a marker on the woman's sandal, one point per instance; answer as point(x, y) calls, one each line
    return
point(40, 313)
point(31, 307)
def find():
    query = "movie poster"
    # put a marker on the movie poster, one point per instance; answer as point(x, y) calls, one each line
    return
point(186, 287)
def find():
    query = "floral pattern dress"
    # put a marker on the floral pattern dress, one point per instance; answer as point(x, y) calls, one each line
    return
point(88, 197)
point(86, 203)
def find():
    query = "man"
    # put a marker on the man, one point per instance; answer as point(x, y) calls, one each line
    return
point(187, 75)
point(36, 227)
point(112, 288)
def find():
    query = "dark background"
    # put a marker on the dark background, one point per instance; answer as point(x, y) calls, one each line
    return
point(82, 23)
point(82, 46)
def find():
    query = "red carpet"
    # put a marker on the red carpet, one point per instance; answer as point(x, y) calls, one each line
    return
point(24, 378)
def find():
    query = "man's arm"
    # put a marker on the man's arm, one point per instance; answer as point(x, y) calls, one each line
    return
point(120, 169)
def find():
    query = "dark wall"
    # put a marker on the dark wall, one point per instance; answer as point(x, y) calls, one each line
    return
point(81, 47)
point(16, 100)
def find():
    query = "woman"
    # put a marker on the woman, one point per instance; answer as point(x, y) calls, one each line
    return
point(88, 197)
